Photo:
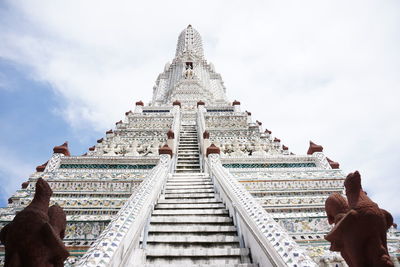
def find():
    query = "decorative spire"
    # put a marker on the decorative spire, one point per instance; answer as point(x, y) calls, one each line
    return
point(334, 164)
point(170, 134)
point(213, 149)
point(189, 41)
point(63, 149)
point(314, 148)
point(165, 150)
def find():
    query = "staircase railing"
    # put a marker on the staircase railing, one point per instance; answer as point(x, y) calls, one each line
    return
point(269, 243)
point(119, 242)
point(201, 125)
point(176, 126)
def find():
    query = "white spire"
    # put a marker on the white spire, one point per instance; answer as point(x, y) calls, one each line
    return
point(189, 41)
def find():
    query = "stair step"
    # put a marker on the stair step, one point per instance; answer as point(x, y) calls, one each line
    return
point(192, 178)
point(232, 261)
point(188, 186)
point(188, 176)
point(188, 201)
point(185, 170)
point(199, 252)
point(190, 237)
point(190, 144)
point(179, 181)
point(189, 212)
point(191, 219)
point(187, 166)
point(203, 175)
point(191, 245)
point(186, 191)
point(177, 228)
point(191, 206)
point(193, 170)
point(202, 265)
point(171, 184)
point(186, 195)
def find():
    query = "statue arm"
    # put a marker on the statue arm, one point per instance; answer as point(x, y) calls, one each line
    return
point(343, 226)
point(3, 234)
point(58, 250)
point(388, 218)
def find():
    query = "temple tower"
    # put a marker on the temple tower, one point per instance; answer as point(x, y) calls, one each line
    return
point(191, 179)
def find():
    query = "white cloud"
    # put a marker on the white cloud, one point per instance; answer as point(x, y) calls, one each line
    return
point(326, 71)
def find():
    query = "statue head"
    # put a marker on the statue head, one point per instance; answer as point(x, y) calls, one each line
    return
point(335, 204)
point(353, 182)
point(43, 190)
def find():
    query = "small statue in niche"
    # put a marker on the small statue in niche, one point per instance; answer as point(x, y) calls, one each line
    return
point(360, 227)
point(189, 72)
point(34, 237)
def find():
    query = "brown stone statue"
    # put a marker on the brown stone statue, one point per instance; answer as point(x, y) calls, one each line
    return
point(360, 227)
point(34, 237)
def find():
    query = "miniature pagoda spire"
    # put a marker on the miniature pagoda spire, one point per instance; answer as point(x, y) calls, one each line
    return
point(189, 41)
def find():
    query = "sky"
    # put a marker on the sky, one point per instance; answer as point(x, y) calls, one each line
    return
point(326, 71)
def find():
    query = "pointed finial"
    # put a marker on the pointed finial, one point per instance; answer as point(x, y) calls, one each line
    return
point(314, 148)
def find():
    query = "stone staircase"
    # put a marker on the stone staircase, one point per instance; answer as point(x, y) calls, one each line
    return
point(188, 150)
point(189, 226)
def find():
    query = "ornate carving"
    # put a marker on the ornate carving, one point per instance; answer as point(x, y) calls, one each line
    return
point(54, 162)
point(165, 150)
point(176, 103)
point(360, 227)
point(213, 150)
point(42, 167)
point(170, 134)
point(200, 103)
point(314, 148)
point(63, 149)
point(24, 185)
point(333, 164)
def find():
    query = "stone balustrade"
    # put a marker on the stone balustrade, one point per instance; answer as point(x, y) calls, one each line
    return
point(270, 243)
point(121, 237)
